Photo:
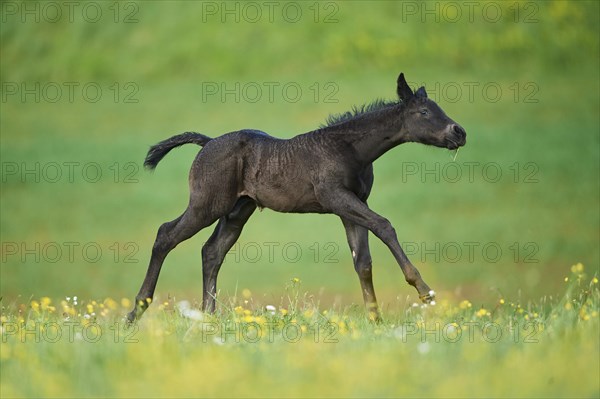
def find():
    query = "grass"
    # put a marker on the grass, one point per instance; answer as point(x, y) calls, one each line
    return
point(80, 348)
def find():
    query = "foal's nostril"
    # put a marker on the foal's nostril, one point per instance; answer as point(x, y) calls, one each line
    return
point(460, 132)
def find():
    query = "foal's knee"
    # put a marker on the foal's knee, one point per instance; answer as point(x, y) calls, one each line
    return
point(363, 267)
point(385, 230)
point(364, 273)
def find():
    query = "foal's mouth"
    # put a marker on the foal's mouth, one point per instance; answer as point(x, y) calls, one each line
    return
point(453, 144)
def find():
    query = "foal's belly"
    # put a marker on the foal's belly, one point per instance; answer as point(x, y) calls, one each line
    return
point(299, 199)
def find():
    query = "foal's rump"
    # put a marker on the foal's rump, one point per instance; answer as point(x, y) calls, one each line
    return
point(218, 169)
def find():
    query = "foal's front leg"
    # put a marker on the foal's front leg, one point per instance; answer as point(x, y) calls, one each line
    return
point(347, 205)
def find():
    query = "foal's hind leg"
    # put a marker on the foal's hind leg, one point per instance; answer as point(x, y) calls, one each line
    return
point(169, 236)
point(226, 233)
point(358, 240)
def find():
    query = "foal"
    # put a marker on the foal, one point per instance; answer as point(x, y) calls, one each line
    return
point(328, 170)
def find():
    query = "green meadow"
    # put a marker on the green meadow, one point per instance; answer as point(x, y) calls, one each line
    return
point(496, 231)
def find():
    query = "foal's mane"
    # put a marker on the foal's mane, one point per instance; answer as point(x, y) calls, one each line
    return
point(356, 111)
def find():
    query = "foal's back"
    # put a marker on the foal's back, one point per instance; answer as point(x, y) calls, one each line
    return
point(276, 173)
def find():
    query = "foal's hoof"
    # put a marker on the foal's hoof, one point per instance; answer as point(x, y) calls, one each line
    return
point(375, 317)
point(130, 319)
point(428, 298)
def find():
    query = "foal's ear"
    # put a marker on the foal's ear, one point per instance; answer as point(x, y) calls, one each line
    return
point(421, 92)
point(404, 92)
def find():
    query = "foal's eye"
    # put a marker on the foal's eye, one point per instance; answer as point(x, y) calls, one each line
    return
point(424, 111)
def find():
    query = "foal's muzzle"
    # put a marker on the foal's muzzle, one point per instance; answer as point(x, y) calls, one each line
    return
point(457, 137)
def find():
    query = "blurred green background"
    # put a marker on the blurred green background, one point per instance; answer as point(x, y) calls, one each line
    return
point(520, 77)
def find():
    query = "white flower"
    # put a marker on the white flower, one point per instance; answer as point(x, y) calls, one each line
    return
point(400, 333)
point(183, 305)
point(451, 329)
point(423, 348)
point(186, 311)
point(270, 308)
point(193, 314)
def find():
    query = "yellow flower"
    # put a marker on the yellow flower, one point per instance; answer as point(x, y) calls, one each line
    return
point(246, 293)
point(45, 302)
point(481, 312)
point(35, 306)
point(465, 304)
point(295, 280)
point(595, 280)
point(111, 303)
point(501, 301)
point(238, 310)
point(283, 311)
point(566, 279)
point(578, 268)
point(125, 302)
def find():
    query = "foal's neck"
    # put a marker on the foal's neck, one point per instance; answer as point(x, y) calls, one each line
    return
point(372, 134)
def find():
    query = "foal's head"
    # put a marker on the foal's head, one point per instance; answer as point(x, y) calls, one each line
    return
point(425, 121)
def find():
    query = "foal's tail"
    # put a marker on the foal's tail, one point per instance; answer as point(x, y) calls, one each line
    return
point(158, 151)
